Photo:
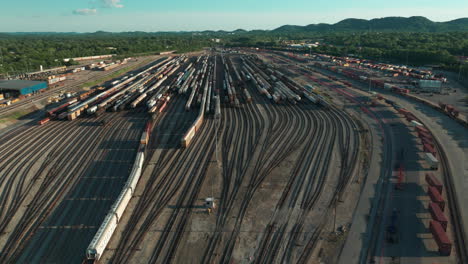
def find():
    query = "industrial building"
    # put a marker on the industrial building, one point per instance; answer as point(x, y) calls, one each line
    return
point(15, 88)
point(433, 86)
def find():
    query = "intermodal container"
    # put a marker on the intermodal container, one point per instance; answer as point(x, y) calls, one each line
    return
point(43, 121)
point(410, 117)
point(416, 124)
point(438, 215)
point(426, 140)
point(163, 106)
point(144, 138)
point(403, 111)
point(434, 182)
point(436, 197)
point(424, 134)
point(429, 149)
point(441, 238)
point(422, 129)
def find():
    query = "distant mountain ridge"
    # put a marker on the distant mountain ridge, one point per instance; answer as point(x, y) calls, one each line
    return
point(397, 24)
point(385, 24)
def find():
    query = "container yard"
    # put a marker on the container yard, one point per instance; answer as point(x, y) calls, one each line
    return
point(233, 156)
point(417, 152)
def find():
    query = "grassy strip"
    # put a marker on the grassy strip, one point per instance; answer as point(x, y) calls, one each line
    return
point(108, 77)
point(14, 116)
point(112, 76)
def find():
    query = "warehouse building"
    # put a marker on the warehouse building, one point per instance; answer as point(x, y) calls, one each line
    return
point(15, 88)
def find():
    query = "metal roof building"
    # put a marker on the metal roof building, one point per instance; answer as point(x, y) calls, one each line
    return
point(21, 87)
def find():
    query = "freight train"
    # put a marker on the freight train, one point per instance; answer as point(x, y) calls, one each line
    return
point(113, 218)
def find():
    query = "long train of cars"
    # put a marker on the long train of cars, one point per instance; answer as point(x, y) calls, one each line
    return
point(438, 226)
point(276, 85)
point(113, 217)
point(449, 110)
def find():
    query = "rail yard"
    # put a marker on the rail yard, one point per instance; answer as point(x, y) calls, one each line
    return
point(241, 156)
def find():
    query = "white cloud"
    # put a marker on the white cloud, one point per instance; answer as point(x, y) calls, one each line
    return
point(111, 3)
point(85, 11)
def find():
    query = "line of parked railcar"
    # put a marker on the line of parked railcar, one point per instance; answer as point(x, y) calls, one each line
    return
point(449, 110)
point(114, 216)
point(272, 83)
point(196, 82)
point(102, 99)
point(207, 81)
point(438, 224)
point(430, 154)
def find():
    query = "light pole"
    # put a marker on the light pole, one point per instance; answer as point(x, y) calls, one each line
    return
point(370, 85)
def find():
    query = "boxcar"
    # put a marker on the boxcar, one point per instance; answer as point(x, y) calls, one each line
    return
point(438, 215)
point(441, 238)
point(436, 197)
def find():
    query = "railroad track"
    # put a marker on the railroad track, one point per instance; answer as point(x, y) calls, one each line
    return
point(255, 141)
point(274, 249)
point(59, 177)
point(29, 101)
point(277, 130)
point(165, 180)
point(458, 228)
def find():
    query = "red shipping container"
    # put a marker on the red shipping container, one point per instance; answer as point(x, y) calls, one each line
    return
point(434, 182)
point(424, 134)
point(450, 108)
point(420, 128)
point(426, 140)
point(162, 107)
point(436, 197)
point(438, 215)
point(43, 121)
point(429, 149)
point(441, 238)
point(403, 111)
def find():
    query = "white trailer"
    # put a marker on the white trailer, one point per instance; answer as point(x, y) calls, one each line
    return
point(416, 124)
point(431, 160)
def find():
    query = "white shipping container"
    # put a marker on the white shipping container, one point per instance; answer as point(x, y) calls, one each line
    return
point(92, 110)
point(102, 237)
point(54, 80)
point(416, 123)
point(387, 86)
point(121, 203)
point(431, 160)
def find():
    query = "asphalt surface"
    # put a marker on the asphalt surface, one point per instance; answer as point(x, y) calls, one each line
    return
point(416, 244)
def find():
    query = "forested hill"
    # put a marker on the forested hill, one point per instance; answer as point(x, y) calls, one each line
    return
point(397, 24)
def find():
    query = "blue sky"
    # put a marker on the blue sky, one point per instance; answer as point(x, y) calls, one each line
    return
point(175, 15)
